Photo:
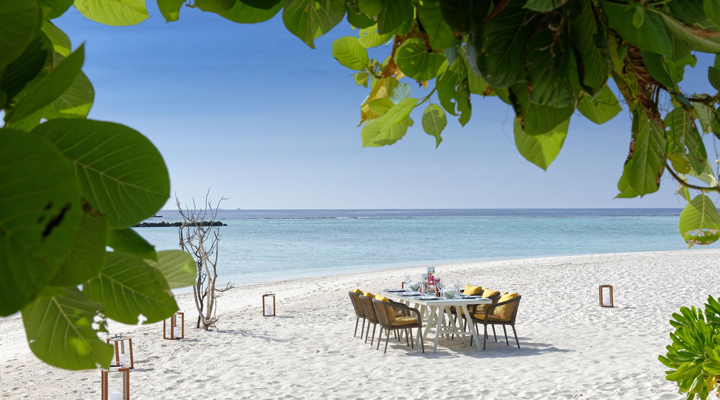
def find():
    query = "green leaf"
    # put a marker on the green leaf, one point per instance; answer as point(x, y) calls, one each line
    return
point(310, 19)
point(700, 222)
point(642, 170)
point(707, 175)
point(501, 45)
point(361, 78)
point(541, 150)
point(655, 66)
point(638, 17)
point(714, 77)
point(682, 134)
point(60, 331)
point(548, 65)
point(129, 287)
point(543, 5)
point(61, 41)
point(380, 106)
point(683, 191)
point(537, 119)
point(26, 68)
point(397, 114)
point(359, 20)
point(20, 22)
point(440, 35)
point(698, 39)
point(244, 14)
point(371, 7)
point(49, 87)
point(602, 109)
point(56, 7)
point(215, 6)
point(113, 12)
point(370, 38)
point(415, 61)
point(121, 173)
point(177, 266)
point(434, 121)
point(75, 102)
point(394, 14)
point(691, 12)
point(478, 85)
point(583, 31)
point(399, 91)
point(626, 191)
point(372, 136)
point(262, 4)
point(87, 253)
point(712, 10)
point(705, 115)
point(126, 240)
point(454, 90)
point(170, 9)
point(349, 53)
point(651, 36)
point(40, 211)
point(464, 16)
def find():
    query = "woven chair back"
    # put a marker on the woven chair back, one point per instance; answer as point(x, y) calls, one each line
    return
point(355, 299)
point(367, 306)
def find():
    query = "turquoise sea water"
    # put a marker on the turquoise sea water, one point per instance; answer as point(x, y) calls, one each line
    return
point(268, 245)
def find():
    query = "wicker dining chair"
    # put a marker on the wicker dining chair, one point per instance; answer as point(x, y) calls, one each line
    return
point(398, 317)
point(489, 318)
point(474, 308)
point(359, 312)
point(370, 316)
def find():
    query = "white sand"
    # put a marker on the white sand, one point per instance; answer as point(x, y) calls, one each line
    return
point(570, 347)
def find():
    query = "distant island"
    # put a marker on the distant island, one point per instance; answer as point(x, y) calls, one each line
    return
point(175, 224)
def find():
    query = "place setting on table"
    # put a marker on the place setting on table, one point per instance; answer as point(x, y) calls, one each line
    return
point(434, 299)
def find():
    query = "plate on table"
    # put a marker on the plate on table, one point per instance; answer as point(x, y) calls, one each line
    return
point(411, 294)
point(429, 298)
point(396, 290)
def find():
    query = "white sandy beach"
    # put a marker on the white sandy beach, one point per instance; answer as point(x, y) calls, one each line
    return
point(570, 347)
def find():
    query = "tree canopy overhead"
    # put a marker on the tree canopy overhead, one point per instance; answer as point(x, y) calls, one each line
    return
point(71, 186)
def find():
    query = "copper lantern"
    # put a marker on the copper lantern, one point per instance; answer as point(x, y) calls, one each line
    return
point(268, 305)
point(606, 296)
point(122, 358)
point(175, 332)
point(124, 394)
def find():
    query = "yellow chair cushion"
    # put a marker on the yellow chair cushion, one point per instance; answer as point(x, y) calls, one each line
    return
point(504, 312)
point(491, 317)
point(358, 291)
point(368, 294)
point(405, 321)
point(381, 298)
point(390, 310)
point(470, 290)
point(489, 293)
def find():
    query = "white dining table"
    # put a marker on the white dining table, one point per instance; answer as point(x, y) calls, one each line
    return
point(433, 315)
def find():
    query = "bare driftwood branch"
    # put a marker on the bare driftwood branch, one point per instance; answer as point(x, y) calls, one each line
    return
point(200, 237)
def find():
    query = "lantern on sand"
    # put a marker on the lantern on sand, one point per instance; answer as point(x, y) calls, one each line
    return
point(606, 296)
point(176, 325)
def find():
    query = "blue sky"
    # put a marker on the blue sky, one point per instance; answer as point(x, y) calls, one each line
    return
point(252, 113)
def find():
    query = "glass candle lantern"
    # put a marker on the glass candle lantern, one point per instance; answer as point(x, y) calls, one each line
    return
point(606, 296)
point(268, 304)
point(115, 390)
point(176, 327)
point(122, 358)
